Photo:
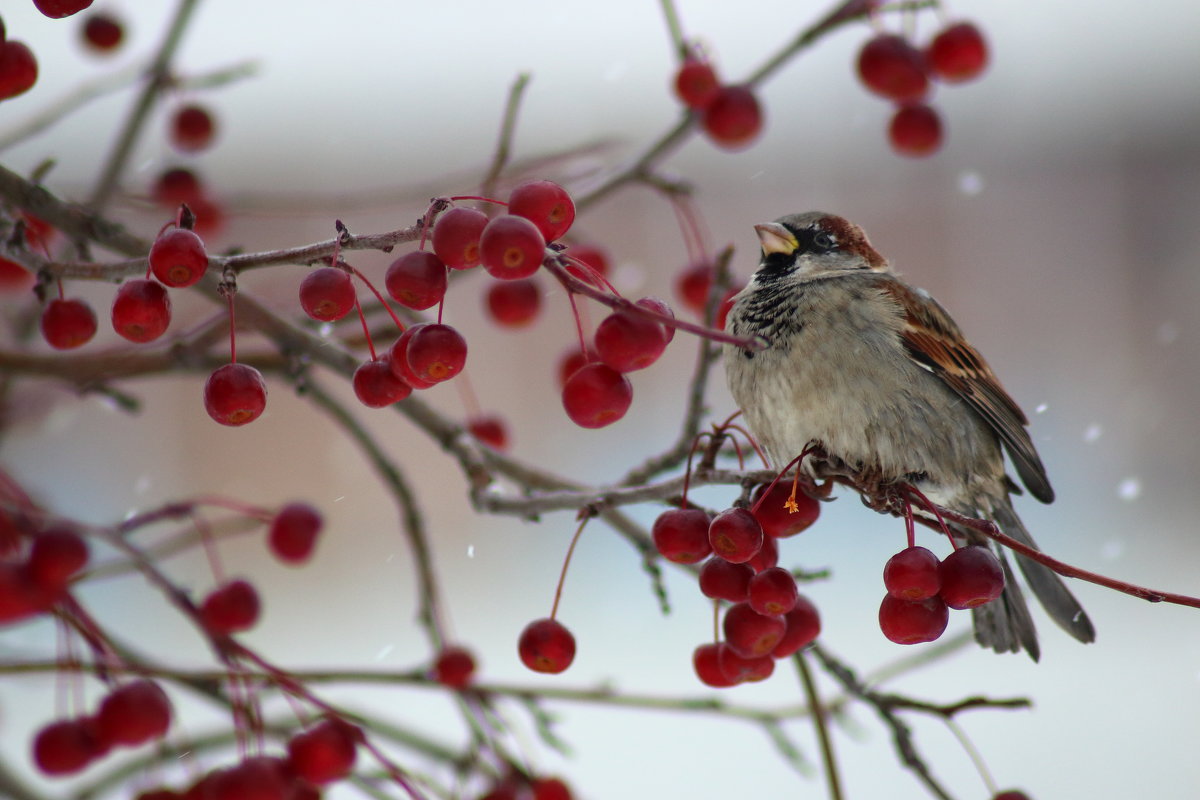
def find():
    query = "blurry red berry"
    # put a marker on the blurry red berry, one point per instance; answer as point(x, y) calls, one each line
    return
point(192, 128)
point(294, 530)
point(514, 304)
point(958, 53)
point(230, 608)
point(67, 324)
point(134, 713)
point(18, 69)
point(696, 83)
point(891, 67)
point(916, 131)
point(546, 646)
point(454, 667)
point(102, 32)
point(733, 118)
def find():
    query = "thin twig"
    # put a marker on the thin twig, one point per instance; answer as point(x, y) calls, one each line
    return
point(508, 127)
point(832, 778)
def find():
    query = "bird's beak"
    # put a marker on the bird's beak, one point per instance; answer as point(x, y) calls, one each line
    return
point(776, 239)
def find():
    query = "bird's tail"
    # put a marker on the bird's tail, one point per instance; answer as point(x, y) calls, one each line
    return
point(1005, 624)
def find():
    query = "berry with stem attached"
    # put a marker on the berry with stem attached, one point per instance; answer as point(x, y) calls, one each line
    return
point(912, 574)
point(958, 53)
point(733, 118)
point(627, 341)
point(456, 236)
point(970, 577)
point(891, 67)
point(545, 645)
point(750, 633)
point(596, 395)
point(177, 257)
point(327, 294)
point(416, 280)
point(771, 510)
point(511, 247)
point(235, 394)
point(544, 203)
point(436, 353)
point(915, 130)
point(735, 535)
point(513, 304)
point(67, 324)
point(377, 385)
point(230, 608)
point(293, 533)
point(681, 535)
point(912, 621)
point(141, 310)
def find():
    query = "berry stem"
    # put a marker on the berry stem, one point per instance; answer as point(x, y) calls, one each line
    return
point(232, 330)
point(508, 126)
point(675, 28)
point(973, 753)
point(378, 296)
point(562, 576)
point(818, 716)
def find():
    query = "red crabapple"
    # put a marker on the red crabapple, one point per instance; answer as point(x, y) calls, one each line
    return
point(134, 713)
point(546, 646)
point(750, 633)
point(803, 625)
point(436, 352)
point(772, 513)
point(571, 362)
point(681, 535)
point(57, 9)
point(235, 394)
point(18, 69)
point(65, 746)
point(327, 294)
point(544, 203)
point(20, 597)
point(192, 128)
point(723, 580)
point(255, 778)
point(915, 130)
point(692, 286)
point(490, 430)
point(696, 83)
point(67, 324)
point(416, 280)
point(912, 574)
point(293, 533)
point(398, 358)
point(733, 118)
point(766, 557)
point(54, 558)
point(141, 310)
point(1011, 794)
point(456, 235)
point(324, 752)
point(177, 185)
point(454, 667)
point(773, 591)
point(970, 577)
point(514, 304)
point(549, 789)
point(661, 308)
point(891, 67)
point(912, 621)
point(707, 666)
point(740, 669)
point(511, 247)
point(377, 385)
point(177, 257)
point(102, 32)
point(230, 608)
point(735, 535)
point(958, 53)
point(627, 342)
point(596, 395)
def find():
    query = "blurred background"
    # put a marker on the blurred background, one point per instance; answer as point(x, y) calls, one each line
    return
point(1058, 224)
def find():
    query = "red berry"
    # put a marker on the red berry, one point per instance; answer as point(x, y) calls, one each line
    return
point(65, 746)
point(192, 128)
point(54, 558)
point(766, 557)
point(722, 580)
point(544, 203)
point(571, 362)
point(707, 666)
point(14, 277)
point(67, 324)
point(177, 257)
point(891, 67)
point(325, 752)
point(681, 535)
point(454, 667)
point(294, 530)
point(970, 576)
point(376, 383)
point(141, 310)
point(177, 185)
point(490, 430)
point(739, 669)
point(692, 286)
point(772, 513)
point(416, 280)
point(696, 83)
point(456, 236)
point(735, 535)
point(158, 794)
point(57, 9)
point(912, 621)
point(627, 341)
point(514, 303)
point(958, 53)
point(256, 778)
point(773, 591)
point(436, 352)
point(1011, 794)
point(661, 308)
point(327, 294)
point(596, 395)
point(20, 597)
point(230, 608)
point(511, 247)
point(549, 789)
point(915, 130)
point(803, 625)
point(750, 633)
point(18, 69)
point(546, 646)
point(235, 394)
point(102, 32)
point(593, 263)
point(733, 119)
point(134, 713)
point(912, 574)
point(398, 358)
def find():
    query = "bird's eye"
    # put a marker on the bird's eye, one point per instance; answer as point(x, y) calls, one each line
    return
point(824, 241)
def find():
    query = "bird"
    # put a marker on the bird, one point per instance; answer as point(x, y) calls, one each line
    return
point(875, 379)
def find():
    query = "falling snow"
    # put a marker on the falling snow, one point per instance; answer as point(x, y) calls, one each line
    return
point(970, 183)
point(1112, 550)
point(1167, 333)
point(1092, 432)
point(470, 551)
point(1041, 409)
point(1129, 489)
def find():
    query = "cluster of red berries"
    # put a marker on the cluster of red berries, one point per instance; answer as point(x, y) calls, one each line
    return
point(177, 186)
point(768, 618)
point(37, 565)
point(321, 754)
point(892, 67)
point(518, 786)
point(128, 716)
point(921, 590)
point(729, 114)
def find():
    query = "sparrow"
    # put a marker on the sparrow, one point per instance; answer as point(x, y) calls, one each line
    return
point(875, 378)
